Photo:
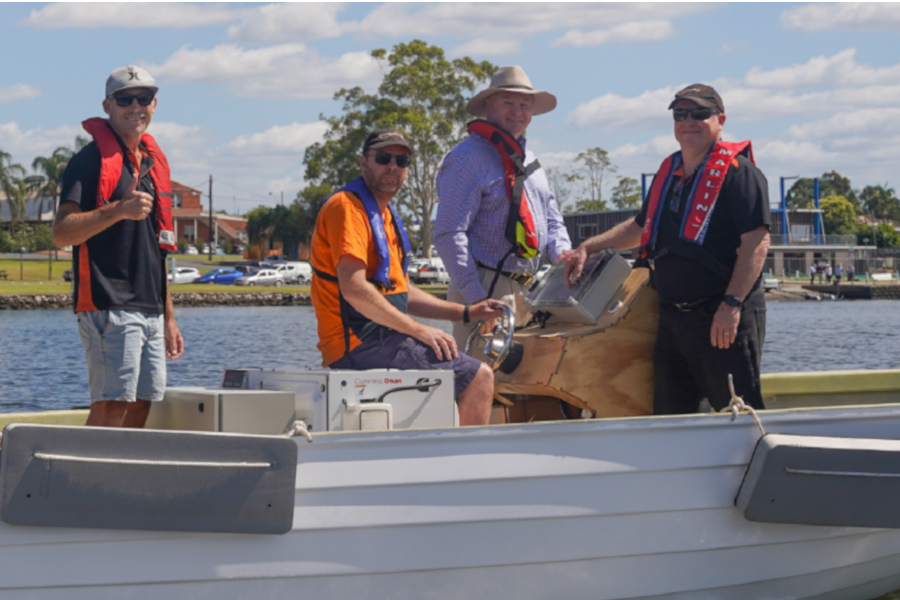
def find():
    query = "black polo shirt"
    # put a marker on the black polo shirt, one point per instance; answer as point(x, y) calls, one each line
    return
point(742, 206)
point(126, 264)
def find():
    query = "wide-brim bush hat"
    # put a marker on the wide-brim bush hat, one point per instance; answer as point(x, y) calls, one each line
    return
point(511, 79)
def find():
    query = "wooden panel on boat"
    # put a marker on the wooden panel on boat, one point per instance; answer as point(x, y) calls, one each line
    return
point(810, 480)
point(95, 477)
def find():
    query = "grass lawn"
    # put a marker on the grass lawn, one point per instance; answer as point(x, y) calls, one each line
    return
point(33, 270)
point(238, 289)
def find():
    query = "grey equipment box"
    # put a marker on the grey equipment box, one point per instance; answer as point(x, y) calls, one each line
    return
point(223, 410)
point(809, 480)
point(418, 399)
point(603, 275)
point(111, 478)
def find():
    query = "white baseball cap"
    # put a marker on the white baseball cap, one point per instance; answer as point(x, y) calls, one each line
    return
point(131, 76)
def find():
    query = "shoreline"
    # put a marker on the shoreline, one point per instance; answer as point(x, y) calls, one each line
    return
point(179, 299)
point(793, 292)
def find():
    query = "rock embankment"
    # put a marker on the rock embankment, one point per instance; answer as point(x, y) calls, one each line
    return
point(64, 301)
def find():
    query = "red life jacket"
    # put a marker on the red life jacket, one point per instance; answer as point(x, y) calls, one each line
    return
point(704, 193)
point(111, 160)
point(520, 230)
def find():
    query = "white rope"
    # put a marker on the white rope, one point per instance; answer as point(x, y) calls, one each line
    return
point(738, 406)
point(152, 463)
point(299, 428)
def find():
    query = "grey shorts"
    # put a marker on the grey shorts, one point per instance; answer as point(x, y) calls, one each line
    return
point(125, 353)
point(387, 349)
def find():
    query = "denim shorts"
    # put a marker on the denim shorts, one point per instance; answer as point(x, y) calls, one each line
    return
point(387, 349)
point(125, 353)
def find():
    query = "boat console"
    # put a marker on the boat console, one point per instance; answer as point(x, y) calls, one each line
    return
point(268, 401)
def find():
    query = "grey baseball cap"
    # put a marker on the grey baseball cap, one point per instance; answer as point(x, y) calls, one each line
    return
point(131, 76)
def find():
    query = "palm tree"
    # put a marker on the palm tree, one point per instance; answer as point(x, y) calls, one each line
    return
point(12, 184)
point(48, 181)
point(50, 169)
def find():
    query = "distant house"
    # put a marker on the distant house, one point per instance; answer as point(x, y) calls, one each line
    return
point(192, 222)
point(38, 210)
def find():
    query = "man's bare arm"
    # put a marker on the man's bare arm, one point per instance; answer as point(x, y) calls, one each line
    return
point(749, 264)
point(750, 261)
point(74, 226)
point(174, 340)
point(425, 305)
point(363, 296)
point(624, 236)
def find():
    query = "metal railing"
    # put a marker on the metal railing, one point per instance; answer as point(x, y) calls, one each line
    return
point(777, 239)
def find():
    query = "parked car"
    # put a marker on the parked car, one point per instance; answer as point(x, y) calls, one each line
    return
point(262, 277)
point(295, 271)
point(275, 260)
point(433, 274)
point(225, 276)
point(413, 269)
point(191, 250)
point(183, 275)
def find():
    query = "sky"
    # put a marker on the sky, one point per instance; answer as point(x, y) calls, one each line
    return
point(815, 87)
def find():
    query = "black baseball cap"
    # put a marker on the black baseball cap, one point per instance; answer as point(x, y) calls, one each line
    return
point(703, 95)
point(384, 137)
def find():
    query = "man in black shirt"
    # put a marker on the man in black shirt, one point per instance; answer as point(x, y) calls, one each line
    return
point(704, 232)
point(115, 210)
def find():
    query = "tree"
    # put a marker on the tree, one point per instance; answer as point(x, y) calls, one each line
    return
point(16, 191)
point(593, 166)
point(802, 193)
point(48, 180)
point(424, 95)
point(880, 201)
point(561, 184)
point(11, 184)
point(586, 206)
point(838, 215)
point(887, 236)
point(627, 193)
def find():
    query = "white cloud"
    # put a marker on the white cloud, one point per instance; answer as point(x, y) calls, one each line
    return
point(865, 123)
point(824, 71)
point(647, 111)
point(280, 139)
point(284, 71)
point(18, 92)
point(130, 15)
point(169, 134)
point(657, 148)
point(482, 47)
point(853, 16)
point(513, 19)
point(290, 22)
point(636, 32)
point(24, 145)
point(759, 95)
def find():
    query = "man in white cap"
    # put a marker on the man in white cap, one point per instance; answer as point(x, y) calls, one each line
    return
point(116, 211)
point(497, 219)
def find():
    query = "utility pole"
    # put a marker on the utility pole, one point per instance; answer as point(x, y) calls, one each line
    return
point(211, 235)
point(282, 197)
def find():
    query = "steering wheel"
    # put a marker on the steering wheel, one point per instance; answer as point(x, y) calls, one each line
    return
point(498, 342)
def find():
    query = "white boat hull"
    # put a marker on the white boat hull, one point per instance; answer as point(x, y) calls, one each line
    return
point(606, 509)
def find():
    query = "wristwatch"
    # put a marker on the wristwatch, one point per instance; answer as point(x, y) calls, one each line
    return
point(732, 301)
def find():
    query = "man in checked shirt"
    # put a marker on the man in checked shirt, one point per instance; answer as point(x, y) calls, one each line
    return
point(475, 203)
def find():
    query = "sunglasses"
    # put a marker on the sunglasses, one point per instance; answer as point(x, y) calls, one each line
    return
point(697, 114)
point(124, 100)
point(384, 158)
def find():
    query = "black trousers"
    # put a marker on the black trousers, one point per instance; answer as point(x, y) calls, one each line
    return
point(688, 368)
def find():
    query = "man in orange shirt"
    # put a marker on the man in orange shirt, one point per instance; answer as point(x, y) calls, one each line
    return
point(361, 292)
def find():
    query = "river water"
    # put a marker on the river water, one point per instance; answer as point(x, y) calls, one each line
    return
point(42, 361)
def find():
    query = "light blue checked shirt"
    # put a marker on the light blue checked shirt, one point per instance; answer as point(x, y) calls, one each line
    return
point(472, 212)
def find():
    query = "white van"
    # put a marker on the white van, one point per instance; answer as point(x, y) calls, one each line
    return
point(296, 272)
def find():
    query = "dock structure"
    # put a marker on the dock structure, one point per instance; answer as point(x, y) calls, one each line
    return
point(854, 291)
